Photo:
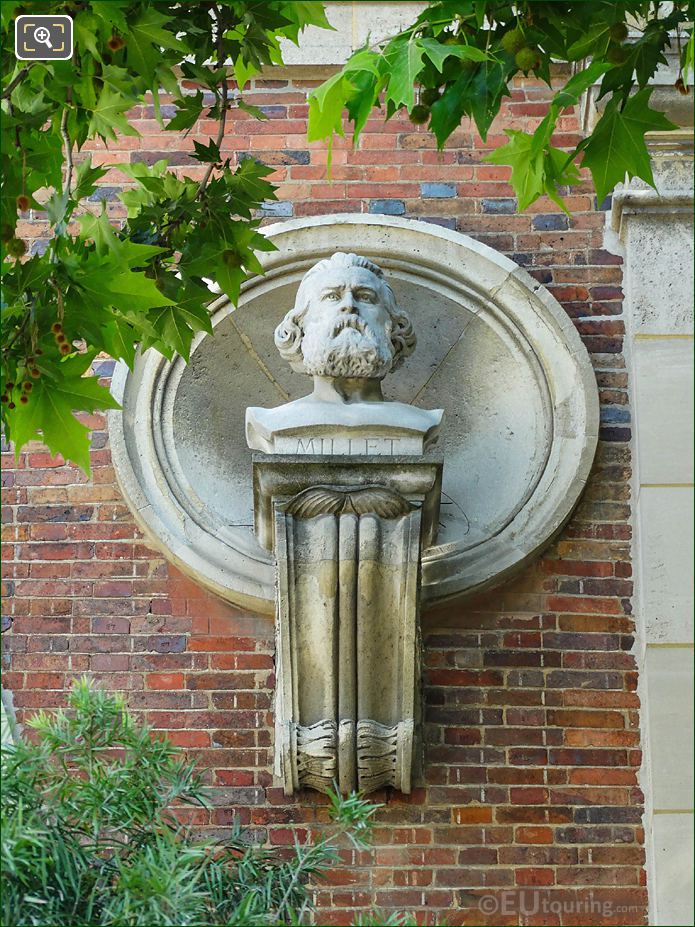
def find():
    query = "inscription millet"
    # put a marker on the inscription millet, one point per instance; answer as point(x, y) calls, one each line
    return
point(350, 447)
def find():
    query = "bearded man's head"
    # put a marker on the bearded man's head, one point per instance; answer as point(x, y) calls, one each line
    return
point(345, 322)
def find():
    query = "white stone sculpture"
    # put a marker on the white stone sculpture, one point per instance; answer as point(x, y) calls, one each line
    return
point(495, 350)
point(347, 332)
point(346, 497)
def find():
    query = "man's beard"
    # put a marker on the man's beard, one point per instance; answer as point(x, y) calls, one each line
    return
point(346, 347)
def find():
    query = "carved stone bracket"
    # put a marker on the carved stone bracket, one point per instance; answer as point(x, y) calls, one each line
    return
point(348, 549)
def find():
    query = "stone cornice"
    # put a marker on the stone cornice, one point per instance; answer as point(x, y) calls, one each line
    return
point(629, 202)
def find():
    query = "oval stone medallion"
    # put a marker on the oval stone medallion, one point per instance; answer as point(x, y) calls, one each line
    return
point(495, 351)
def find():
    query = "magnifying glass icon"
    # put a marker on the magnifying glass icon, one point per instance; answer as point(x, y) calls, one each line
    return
point(41, 34)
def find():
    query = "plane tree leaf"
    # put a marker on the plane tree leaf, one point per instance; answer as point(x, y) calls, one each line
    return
point(49, 415)
point(438, 52)
point(109, 115)
point(616, 147)
point(403, 60)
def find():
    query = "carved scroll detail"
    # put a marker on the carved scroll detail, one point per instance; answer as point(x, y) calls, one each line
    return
point(316, 754)
point(328, 500)
point(384, 754)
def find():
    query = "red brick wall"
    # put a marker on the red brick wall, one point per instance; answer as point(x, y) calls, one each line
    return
point(531, 799)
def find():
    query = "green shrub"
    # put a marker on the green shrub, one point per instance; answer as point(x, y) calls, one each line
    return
point(89, 836)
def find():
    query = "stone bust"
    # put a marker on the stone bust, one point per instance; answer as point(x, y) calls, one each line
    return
point(346, 331)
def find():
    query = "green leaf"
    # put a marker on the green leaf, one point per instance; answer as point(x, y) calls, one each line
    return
point(188, 113)
point(56, 206)
point(48, 416)
point(208, 154)
point(248, 186)
point(438, 53)
point(365, 98)
point(104, 282)
point(617, 148)
point(176, 325)
point(254, 111)
point(578, 84)
point(172, 330)
point(527, 170)
point(84, 92)
point(560, 171)
point(358, 92)
point(134, 255)
point(109, 116)
point(127, 253)
point(99, 230)
point(308, 13)
point(364, 59)
point(29, 95)
point(244, 71)
point(86, 177)
point(647, 58)
point(326, 107)
point(204, 75)
point(134, 291)
point(112, 12)
point(404, 62)
point(593, 43)
point(480, 7)
point(8, 12)
point(451, 107)
point(222, 253)
point(192, 305)
point(121, 80)
point(569, 95)
point(644, 57)
point(25, 422)
point(488, 87)
point(43, 156)
point(30, 275)
point(86, 27)
point(167, 79)
point(154, 183)
point(230, 280)
point(535, 170)
point(118, 339)
point(146, 39)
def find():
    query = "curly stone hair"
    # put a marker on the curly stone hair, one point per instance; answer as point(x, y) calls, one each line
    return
point(289, 333)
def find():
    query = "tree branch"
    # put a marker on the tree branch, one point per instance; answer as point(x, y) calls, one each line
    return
point(223, 101)
point(6, 348)
point(19, 76)
point(68, 147)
